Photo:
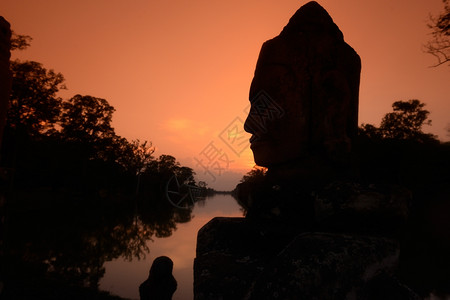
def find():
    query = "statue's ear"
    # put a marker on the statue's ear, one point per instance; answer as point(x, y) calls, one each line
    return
point(336, 88)
point(332, 110)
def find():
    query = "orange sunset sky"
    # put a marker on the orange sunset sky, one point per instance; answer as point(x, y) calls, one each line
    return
point(178, 72)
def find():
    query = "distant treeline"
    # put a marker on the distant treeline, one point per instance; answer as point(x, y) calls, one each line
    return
point(70, 144)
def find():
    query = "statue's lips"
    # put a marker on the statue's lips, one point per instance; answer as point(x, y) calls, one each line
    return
point(254, 138)
point(258, 141)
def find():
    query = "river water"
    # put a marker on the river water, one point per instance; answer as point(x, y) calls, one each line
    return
point(122, 277)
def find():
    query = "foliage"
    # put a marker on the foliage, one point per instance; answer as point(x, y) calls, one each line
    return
point(167, 165)
point(20, 42)
point(370, 131)
point(34, 106)
point(399, 151)
point(253, 180)
point(254, 175)
point(404, 123)
point(73, 136)
point(135, 156)
point(439, 45)
point(86, 119)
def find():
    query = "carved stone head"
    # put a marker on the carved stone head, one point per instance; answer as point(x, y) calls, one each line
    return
point(304, 94)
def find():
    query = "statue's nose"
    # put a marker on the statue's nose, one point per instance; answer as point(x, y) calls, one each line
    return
point(249, 124)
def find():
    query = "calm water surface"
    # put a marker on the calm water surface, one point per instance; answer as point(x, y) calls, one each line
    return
point(123, 277)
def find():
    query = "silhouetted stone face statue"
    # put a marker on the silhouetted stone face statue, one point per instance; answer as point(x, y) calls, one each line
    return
point(308, 218)
point(160, 284)
point(311, 230)
point(304, 94)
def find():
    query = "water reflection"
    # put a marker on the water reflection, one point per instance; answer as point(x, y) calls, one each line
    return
point(68, 240)
point(51, 240)
point(122, 277)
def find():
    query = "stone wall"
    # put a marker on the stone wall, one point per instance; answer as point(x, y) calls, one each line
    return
point(5, 75)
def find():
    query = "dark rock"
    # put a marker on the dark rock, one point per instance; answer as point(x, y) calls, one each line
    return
point(370, 209)
point(289, 204)
point(230, 253)
point(235, 253)
point(386, 287)
point(240, 259)
point(330, 266)
point(340, 206)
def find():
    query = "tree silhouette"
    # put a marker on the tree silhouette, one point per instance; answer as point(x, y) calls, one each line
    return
point(439, 45)
point(86, 119)
point(369, 131)
point(167, 164)
point(34, 105)
point(254, 175)
point(404, 123)
point(19, 41)
point(254, 181)
point(135, 156)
